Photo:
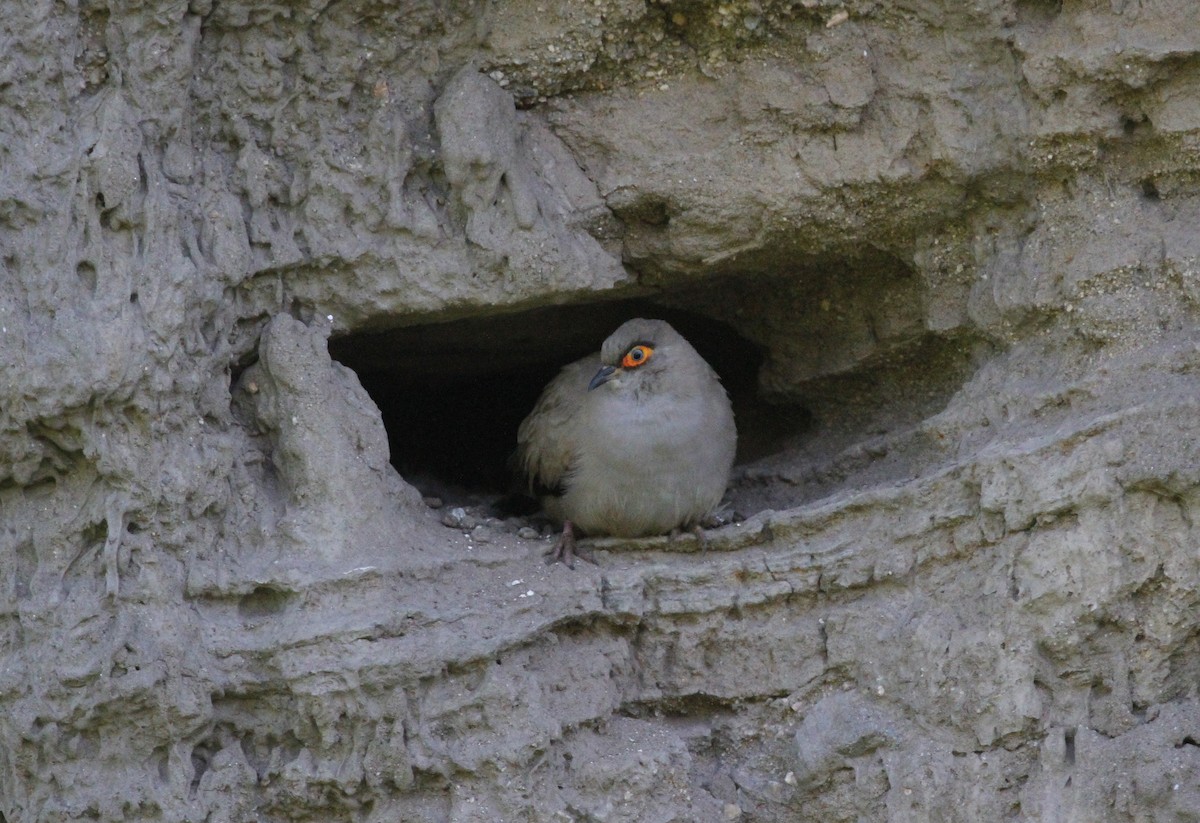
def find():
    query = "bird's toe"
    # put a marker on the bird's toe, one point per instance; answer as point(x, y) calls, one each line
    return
point(567, 548)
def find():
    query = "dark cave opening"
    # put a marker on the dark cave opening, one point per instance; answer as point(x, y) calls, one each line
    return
point(832, 368)
point(452, 394)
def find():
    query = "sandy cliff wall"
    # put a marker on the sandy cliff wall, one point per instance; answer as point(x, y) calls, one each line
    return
point(945, 255)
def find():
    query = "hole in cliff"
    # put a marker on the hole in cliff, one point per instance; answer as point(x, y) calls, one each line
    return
point(453, 394)
point(681, 707)
point(1038, 11)
point(264, 601)
point(202, 755)
point(1134, 125)
point(831, 367)
point(651, 211)
point(160, 761)
point(87, 275)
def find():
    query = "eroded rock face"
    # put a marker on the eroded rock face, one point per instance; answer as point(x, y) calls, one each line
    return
point(946, 257)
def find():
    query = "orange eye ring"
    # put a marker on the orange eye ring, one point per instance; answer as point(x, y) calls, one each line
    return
point(636, 356)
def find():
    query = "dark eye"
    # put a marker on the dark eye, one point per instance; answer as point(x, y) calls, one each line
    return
point(636, 356)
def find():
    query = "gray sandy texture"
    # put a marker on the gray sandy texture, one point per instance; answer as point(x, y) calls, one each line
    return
point(279, 279)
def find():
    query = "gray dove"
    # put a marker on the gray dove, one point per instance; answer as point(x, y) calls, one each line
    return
point(635, 440)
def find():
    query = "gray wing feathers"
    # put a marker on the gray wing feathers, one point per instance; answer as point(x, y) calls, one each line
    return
point(546, 438)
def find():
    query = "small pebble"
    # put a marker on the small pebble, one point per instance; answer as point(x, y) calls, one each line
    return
point(732, 811)
point(433, 502)
point(837, 19)
point(457, 518)
point(482, 534)
point(527, 533)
